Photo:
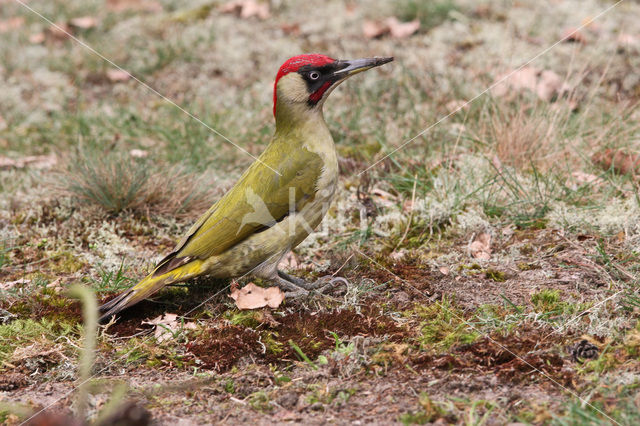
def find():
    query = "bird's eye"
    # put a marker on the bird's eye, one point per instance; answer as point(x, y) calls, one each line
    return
point(314, 75)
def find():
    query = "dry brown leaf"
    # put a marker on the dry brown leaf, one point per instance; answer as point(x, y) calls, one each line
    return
point(134, 5)
point(55, 285)
point(290, 29)
point(10, 284)
point(621, 160)
point(374, 29)
point(116, 75)
point(480, 248)
point(546, 84)
point(166, 325)
point(246, 8)
point(60, 31)
point(402, 29)
point(626, 40)
point(139, 153)
point(84, 22)
point(549, 85)
point(391, 26)
point(573, 35)
point(591, 25)
point(524, 78)
point(11, 24)
point(34, 161)
point(252, 297)
point(582, 178)
point(37, 38)
point(457, 105)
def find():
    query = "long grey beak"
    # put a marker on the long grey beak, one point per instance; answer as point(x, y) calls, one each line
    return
point(355, 66)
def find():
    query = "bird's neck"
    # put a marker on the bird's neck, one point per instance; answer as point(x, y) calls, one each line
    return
point(296, 121)
point(291, 115)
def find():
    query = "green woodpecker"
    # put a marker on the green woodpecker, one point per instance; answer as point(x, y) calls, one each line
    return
point(277, 202)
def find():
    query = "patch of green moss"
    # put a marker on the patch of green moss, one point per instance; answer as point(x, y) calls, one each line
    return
point(495, 275)
point(546, 300)
point(229, 386)
point(442, 325)
point(243, 318)
point(24, 332)
point(47, 303)
point(270, 340)
point(259, 401)
point(326, 396)
point(66, 263)
point(524, 266)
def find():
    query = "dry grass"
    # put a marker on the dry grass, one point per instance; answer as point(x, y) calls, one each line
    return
point(525, 137)
point(118, 182)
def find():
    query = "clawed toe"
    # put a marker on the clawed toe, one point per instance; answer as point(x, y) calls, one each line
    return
point(319, 285)
point(296, 294)
point(295, 287)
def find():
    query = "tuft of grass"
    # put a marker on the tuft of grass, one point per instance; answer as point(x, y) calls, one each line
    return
point(524, 200)
point(4, 255)
point(302, 355)
point(431, 13)
point(112, 281)
point(117, 182)
point(525, 135)
point(430, 412)
point(619, 402)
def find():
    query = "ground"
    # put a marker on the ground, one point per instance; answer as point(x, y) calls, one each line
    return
point(487, 219)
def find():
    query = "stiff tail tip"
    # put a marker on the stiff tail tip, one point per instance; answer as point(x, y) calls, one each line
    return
point(130, 297)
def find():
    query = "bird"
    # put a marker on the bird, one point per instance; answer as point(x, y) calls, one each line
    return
point(278, 201)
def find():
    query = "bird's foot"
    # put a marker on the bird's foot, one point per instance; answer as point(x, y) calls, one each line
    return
point(296, 294)
point(303, 288)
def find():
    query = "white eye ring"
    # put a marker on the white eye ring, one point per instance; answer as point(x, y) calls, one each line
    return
point(314, 75)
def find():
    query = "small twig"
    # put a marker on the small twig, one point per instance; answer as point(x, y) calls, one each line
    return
point(236, 400)
point(343, 265)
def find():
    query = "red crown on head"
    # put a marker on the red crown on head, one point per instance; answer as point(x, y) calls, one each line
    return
point(294, 64)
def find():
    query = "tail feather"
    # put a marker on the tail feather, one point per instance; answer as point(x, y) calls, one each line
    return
point(147, 287)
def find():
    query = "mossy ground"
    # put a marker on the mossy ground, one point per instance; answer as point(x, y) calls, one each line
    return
point(425, 331)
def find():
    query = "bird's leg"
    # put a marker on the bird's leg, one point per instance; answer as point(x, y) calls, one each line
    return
point(297, 281)
point(320, 284)
point(291, 289)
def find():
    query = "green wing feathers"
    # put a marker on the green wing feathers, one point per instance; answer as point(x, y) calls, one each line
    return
point(259, 200)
